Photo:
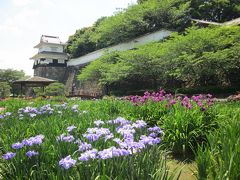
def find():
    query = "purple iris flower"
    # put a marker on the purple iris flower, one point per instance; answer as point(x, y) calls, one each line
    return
point(64, 105)
point(139, 124)
point(87, 155)
point(70, 128)
point(8, 155)
point(67, 162)
point(117, 140)
point(121, 121)
point(31, 153)
point(68, 138)
point(153, 134)
point(156, 141)
point(75, 108)
point(186, 102)
point(84, 146)
point(106, 153)
point(37, 140)
point(92, 137)
point(100, 131)
point(109, 136)
point(17, 145)
point(93, 134)
point(112, 152)
point(148, 140)
point(136, 145)
point(98, 123)
point(155, 129)
point(126, 130)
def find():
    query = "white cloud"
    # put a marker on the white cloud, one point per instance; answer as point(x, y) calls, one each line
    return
point(21, 21)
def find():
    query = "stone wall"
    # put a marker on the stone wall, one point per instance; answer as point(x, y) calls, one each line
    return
point(55, 73)
point(147, 38)
point(74, 87)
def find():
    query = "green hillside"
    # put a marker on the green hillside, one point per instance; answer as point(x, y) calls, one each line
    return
point(148, 16)
point(197, 58)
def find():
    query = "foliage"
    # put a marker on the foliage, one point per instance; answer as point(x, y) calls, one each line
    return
point(136, 20)
point(4, 89)
point(10, 75)
point(149, 163)
point(54, 89)
point(148, 16)
point(141, 1)
point(220, 159)
point(80, 43)
point(38, 91)
point(198, 58)
point(215, 10)
point(186, 121)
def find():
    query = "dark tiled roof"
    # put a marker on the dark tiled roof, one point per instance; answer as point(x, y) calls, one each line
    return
point(233, 22)
point(35, 79)
point(206, 22)
point(227, 23)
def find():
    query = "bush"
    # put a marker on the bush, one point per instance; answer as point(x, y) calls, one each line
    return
point(55, 89)
point(186, 121)
point(136, 20)
point(207, 57)
point(221, 160)
point(4, 89)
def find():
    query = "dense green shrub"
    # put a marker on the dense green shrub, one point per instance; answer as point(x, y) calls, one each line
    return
point(10, 75)
point(215, 10)
point(220, 159)
point(198, 58)
point(186, 129)
point(4, 89)
point(51, 121)
point(54, 89)
point(136, 20)
point(182, 127)
point(148, 16)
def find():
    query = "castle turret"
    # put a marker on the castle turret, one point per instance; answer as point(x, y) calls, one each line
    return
point(50, 61)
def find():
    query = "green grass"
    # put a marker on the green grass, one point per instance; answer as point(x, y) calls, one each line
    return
point(213, 135)
point(150, 163)
point(220, 158)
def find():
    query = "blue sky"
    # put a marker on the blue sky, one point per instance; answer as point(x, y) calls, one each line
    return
point(22, 22)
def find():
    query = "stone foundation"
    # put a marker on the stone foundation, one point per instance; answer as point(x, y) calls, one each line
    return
point(55, 73)
point(74, 87)
point(68, 76)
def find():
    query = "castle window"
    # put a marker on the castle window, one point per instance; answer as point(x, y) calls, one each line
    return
point(55, 61)
point(42, 59)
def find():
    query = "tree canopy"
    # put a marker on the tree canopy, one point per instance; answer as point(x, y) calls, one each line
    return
point(10, 75)
point(215, 10)
point(7, 76)
point(199, 57)
point(148, 16)
point(136, 20)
